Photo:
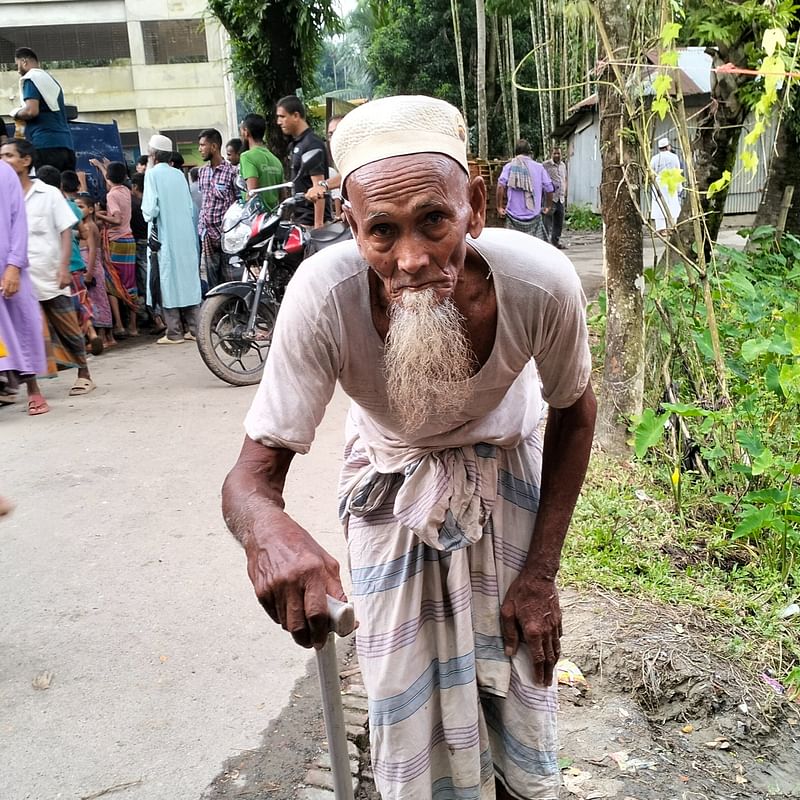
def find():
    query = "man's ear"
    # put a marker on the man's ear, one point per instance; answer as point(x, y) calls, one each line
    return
point(477, 202)
point(347, 211)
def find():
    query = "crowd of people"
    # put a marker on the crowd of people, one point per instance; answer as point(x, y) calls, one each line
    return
point(82, 266)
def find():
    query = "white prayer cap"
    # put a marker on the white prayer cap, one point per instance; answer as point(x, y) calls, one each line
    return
point(159, 142)
point(398, 126)
point(663, 142)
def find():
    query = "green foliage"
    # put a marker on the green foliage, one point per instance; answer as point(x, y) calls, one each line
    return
point(275, 45)
point(625, 537)
point(413, 52)
point(582, 218)
point(749, 447)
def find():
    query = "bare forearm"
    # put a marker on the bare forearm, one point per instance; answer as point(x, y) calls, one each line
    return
point(567, 445)
point(253, 490)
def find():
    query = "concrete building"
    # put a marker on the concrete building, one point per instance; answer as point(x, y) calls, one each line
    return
point(154, 66)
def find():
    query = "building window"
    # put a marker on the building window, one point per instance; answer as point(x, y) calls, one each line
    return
point(174, 41)
point(68, 46)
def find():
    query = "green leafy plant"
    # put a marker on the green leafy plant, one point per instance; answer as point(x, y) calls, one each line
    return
point(582, 218)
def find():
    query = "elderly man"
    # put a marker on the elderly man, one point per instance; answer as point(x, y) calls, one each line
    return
point(447, 337)
point(167, 207)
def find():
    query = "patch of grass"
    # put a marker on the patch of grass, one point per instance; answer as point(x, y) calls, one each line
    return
point(627, 537)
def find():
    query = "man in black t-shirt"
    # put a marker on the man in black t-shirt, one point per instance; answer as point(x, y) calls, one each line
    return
point(291, 118)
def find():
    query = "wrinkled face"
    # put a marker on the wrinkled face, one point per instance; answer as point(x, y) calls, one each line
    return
point(20, 164)
point(207, 148)
point(556, 154)
point(233, 156)
point(288, 123)
point(410, 216)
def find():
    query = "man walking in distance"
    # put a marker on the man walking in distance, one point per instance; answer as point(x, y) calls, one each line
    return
point(217, 183)
point(554, 222)
point(167, 207)
point(449, 339)
point(258, 166)
point(519, 193)
point(43, 112)
point(291, 117)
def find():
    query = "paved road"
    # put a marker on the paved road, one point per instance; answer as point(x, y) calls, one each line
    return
point(119, 578)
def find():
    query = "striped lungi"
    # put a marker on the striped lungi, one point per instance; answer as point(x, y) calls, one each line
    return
point(64, 341)
point(80, 299)
point(533, 227)
point(121, 268)
point(432, 553)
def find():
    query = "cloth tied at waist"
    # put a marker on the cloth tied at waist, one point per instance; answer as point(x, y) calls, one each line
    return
point(445, 497)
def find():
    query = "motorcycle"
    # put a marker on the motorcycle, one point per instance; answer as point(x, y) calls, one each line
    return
point(237, 318)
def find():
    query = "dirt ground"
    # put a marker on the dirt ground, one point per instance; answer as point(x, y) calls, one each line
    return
point(663, 716)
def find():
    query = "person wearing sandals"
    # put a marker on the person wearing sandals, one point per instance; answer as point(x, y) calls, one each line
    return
point(22, 351)
point(50, 220)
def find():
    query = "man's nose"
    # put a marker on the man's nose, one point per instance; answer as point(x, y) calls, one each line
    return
point(412, 255)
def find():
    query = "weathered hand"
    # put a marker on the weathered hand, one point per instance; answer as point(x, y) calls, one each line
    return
point(531, 613)
point(292, 576)
point(9, 285)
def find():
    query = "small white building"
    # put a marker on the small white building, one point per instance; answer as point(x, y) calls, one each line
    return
point(154, 66)
point(581, 131)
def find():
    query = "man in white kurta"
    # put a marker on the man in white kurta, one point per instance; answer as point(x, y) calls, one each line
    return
point(453, 530)
point(167, 207)
point(665, 203)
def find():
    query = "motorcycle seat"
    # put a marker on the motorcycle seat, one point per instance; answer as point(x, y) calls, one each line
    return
point(330, 233)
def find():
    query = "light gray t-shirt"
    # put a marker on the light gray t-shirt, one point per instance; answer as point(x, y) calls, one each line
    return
point(325, 333)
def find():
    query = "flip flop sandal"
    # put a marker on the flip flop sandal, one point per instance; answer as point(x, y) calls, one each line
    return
point(96, 346)
point(82, 386)
point(37, 405)
point(7, 398)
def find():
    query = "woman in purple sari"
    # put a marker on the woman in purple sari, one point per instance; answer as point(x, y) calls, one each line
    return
point(20, 315)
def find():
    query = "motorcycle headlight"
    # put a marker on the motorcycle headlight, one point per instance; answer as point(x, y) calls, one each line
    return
point(235, 239)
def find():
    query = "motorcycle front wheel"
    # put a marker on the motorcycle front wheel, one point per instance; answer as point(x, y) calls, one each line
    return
point(220, 338)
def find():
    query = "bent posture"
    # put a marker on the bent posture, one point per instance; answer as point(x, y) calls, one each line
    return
point(448, 338)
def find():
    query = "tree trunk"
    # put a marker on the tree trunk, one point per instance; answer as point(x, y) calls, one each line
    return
point(483, 128)
point(784, 170)
point(512, 63)
point(501, 45)
point(540, 76)
point(622, 389)
point(460, 59)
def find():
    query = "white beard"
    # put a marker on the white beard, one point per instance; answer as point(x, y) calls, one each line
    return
point(428, 358)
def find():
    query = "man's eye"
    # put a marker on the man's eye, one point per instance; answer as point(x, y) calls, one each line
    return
point(435, 217)
point(381, 230)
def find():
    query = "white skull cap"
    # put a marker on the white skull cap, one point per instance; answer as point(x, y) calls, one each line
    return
point(159, 142)
point(398, 126)
point(663, 142)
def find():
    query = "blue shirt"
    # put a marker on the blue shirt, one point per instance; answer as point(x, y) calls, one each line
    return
point(76, 259)
point(49, 128)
